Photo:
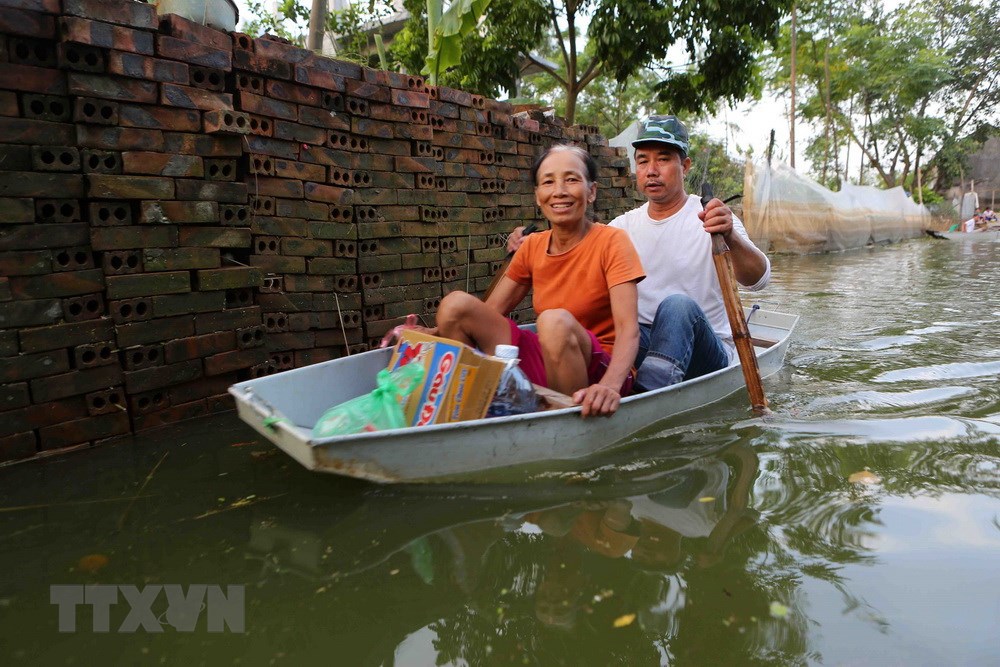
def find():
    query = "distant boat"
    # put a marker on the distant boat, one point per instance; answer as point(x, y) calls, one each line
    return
point(978, 235)
point(284, 407)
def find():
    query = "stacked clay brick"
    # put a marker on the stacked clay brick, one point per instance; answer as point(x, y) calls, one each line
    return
point(182, 208)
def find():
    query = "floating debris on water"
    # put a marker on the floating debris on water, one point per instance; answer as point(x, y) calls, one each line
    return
point(625, 620)
point(778, 610)
point(92, 563)
point(864, 477)
point(603, 595)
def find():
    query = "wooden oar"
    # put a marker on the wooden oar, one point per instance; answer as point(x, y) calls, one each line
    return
point(504, 264)
point(737, 322)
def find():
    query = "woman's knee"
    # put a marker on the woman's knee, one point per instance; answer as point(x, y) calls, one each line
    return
point(454, 307)
point(557, 330)
point(555, 321)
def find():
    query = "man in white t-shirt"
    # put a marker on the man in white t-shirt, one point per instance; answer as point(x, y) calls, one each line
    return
point(683, 326)
point(684, 329)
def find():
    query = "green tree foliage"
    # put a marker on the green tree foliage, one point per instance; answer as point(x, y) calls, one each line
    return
point(721, 39)
point(899, 86)
point(446, 32)
point(353, 29)
point(613, 105)
point(609, 104)
point(724, 172)
point(969, 32)
point(490, 56)
point(287, 22)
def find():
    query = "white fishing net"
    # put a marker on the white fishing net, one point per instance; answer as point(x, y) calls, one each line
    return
point(785, 211)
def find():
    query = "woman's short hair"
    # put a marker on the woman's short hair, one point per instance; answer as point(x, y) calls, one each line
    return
point(588, 161)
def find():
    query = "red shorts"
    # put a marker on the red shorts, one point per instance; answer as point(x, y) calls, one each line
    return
point(531, 362)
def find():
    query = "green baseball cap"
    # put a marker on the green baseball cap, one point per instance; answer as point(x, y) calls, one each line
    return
point(664, 130)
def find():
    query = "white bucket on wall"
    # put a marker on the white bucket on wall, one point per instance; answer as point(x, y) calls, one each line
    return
point(218, 14)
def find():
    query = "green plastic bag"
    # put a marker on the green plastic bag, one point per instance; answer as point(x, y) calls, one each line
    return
point(380, 410)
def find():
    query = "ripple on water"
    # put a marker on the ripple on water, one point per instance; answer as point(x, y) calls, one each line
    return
point(941, 372)
point(937, 327)
point(972, 468)
point(888, 342)
point(905, 429)
point(874, 400)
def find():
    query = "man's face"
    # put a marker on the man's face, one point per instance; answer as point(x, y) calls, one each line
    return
point(660, 172)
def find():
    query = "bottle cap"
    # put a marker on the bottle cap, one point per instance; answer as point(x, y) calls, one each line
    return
point(506, 351)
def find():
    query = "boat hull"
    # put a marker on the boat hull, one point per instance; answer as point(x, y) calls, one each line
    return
point(283, 408)
point(983, 235)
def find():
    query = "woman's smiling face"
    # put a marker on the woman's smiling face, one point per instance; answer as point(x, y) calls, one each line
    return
point(562, 190)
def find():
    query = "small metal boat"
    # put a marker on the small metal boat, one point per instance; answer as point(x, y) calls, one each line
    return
point(284, 407)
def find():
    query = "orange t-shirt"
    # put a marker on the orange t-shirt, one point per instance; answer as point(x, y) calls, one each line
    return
point(579, 280)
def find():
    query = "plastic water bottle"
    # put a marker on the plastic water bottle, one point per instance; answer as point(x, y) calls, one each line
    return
point(515, 394)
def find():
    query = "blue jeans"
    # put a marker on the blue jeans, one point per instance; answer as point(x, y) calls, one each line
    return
point(679, 345)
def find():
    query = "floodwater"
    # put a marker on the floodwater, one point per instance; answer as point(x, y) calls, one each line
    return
point(858, 525)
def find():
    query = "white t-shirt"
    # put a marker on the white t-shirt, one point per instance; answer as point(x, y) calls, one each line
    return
point(676, 254)
point(970, 225)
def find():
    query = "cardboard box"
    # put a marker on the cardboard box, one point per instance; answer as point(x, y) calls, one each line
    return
point(459, 383)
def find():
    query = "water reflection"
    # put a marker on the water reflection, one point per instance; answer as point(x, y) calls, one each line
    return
point(554, 579)
point(713, 539)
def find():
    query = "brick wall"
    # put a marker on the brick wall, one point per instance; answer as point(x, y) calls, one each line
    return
point(182, 208)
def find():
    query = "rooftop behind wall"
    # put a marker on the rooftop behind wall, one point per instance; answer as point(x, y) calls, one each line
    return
point(182, 208)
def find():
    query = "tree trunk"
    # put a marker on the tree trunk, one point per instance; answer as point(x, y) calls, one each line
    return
point(847, 157)
point(571, 94)
point(920, 185)
point(828, 149)
point(434, 8)
point(873, 158)
point(791, 124)
point(317, 23)
point(864, 140)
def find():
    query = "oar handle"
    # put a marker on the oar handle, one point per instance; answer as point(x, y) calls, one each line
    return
point(734, 309)
point(532, 227)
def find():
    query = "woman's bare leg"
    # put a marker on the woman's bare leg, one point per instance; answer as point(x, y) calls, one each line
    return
point(565, 350)
point(465, 318)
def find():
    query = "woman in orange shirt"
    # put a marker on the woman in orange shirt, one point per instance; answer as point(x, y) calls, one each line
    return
point(584, 277)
